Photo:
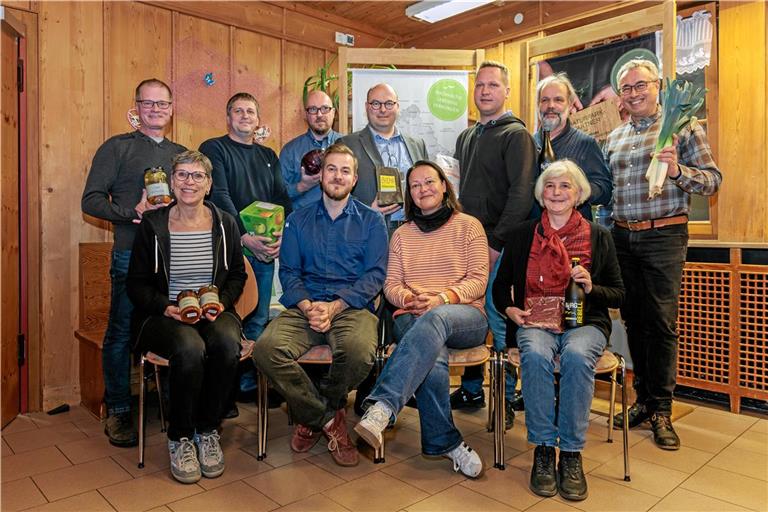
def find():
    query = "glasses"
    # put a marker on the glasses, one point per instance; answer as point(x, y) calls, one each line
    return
point(376, 104)
point(148, 104)
point(428, 183)
point(639, 87)
point(197, 177)
point(314, 110)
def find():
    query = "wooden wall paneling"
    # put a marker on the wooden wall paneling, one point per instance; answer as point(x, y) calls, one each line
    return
point(256, 69)
point(130, 57)
point(512, 59)
point(200, 47)
point(71, 127)
point(743, 133)
point(299, 63)
point(34, 394)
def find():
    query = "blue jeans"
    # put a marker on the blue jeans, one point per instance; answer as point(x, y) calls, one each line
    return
point(652, 269)
point(116, 351)
point(419, 365)
point(472, 380)
point(579, 349)
point(255, 323)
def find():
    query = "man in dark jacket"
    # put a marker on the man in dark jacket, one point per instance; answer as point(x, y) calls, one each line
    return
point(555, 96)
point(244, 172)
point(497, 158)
point(114, 191)
point(380, 144)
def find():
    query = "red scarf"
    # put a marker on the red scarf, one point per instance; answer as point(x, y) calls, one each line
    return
point(549, 262)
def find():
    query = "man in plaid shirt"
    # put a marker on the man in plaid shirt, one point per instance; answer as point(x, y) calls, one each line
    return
point(651, 237)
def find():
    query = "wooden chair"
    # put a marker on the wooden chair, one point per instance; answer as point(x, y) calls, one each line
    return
point(609, 363)
point(245, 304)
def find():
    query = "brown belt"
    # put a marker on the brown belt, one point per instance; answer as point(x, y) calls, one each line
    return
point(642, 225)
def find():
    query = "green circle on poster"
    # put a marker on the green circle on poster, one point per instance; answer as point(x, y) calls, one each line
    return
point(447, 99)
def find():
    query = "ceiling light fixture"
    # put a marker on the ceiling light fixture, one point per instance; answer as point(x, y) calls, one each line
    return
point(433, 11)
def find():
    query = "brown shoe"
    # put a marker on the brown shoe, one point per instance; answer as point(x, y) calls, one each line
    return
point(342, 450)
point(303, 439)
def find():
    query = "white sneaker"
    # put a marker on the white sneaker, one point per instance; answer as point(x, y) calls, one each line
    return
point(184, 465)
point(209, 454)
point(373, 423)
point(466, 460)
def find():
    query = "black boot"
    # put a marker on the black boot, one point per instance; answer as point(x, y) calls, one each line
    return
point(570, 476)
point(637, 414)
point(664, 434)
point(543, 476)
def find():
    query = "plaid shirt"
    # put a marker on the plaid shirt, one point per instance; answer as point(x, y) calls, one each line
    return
point(628, 153)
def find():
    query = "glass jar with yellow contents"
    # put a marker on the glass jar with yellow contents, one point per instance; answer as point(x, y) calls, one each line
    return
point(156, 183)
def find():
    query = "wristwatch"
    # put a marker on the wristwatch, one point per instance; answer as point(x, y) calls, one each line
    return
point(444, 298)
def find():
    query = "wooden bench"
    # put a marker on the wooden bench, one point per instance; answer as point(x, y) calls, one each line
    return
point(95, 287)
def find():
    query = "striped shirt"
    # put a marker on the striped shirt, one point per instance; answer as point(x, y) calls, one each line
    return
point(191, 261)
point(628, 152)
point(453, 257)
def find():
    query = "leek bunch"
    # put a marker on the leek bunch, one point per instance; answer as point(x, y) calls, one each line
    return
point(680, 101)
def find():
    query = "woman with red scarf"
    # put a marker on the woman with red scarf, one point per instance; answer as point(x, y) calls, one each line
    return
point(535, 269)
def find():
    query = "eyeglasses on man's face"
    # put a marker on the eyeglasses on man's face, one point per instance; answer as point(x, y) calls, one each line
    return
point(376, 104)
point(314, 110)
point(149, 104)
point(639, 87)
point(197, 177)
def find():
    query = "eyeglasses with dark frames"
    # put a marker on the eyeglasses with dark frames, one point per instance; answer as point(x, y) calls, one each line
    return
point(148, 104)
point(376, 104)
point(197, 177)
point(314, 110)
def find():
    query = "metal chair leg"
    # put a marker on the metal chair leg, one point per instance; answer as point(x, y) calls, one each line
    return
point(160, 399)
point(142, 385)
point(262, 413)
point(491, 393)
point(498, 363)
point(625, 426)
point(612, 405)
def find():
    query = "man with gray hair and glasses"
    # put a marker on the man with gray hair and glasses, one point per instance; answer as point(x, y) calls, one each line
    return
point(555, 96)
point(651, 238)
point(114, 191)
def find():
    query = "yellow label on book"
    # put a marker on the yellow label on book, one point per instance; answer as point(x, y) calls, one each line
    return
point(387, 184)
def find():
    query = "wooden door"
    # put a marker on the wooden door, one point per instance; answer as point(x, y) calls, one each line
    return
point(9, 225)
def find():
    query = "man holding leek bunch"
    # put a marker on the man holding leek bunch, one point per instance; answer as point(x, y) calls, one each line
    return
point(658, 158)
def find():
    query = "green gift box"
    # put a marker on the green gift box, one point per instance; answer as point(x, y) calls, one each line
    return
point(262, 219)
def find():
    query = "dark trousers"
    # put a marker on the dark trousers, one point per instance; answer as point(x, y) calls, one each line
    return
point(202, 365)
point(352, 338)
point(652, 269)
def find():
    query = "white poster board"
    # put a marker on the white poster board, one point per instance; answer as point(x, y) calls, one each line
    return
point(433, 103)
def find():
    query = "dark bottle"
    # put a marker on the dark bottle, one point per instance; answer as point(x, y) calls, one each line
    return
point(573, 312)
point(547, 154)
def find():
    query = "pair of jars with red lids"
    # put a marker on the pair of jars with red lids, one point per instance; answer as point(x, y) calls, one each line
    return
point(194, 304)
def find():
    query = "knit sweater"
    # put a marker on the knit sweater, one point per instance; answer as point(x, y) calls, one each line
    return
point(242, 174)
point(453, 257)
point(116, 180)
point(583, 149)
point(498, 162)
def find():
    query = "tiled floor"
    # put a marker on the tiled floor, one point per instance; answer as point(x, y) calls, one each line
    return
point(64, 462)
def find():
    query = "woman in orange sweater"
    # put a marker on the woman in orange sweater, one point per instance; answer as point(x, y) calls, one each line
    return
point(436, 277)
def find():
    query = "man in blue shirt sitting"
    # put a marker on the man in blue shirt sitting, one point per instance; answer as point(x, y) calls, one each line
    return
point(333, 261)
point(318, 113)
